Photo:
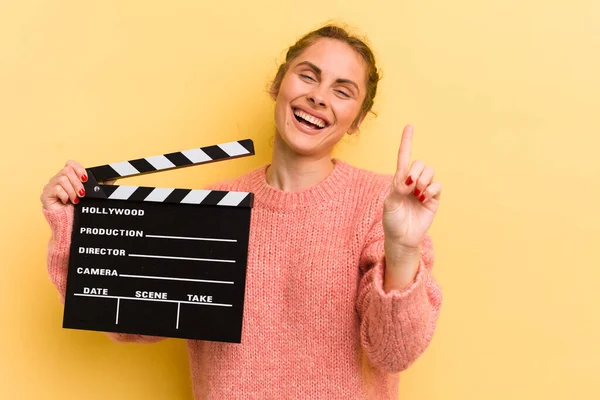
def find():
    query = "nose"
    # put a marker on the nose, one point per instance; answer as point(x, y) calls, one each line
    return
point(316, 98)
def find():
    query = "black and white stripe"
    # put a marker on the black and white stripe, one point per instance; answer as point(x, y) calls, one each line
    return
point(179, 196)
point(177, 159)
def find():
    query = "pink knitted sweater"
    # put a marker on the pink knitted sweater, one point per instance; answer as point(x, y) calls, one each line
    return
point(317, 323)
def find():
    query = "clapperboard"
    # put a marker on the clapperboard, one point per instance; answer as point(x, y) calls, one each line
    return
point(160, 261)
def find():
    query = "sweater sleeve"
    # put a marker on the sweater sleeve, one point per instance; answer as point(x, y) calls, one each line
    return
point(395, 327)
point(61, 226)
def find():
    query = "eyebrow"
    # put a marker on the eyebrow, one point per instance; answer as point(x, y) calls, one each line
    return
point(317, 70)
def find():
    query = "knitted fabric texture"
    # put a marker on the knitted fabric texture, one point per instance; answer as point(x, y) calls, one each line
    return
point(317, 323)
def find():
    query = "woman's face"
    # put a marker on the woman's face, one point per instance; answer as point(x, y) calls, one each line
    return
point(320, 97)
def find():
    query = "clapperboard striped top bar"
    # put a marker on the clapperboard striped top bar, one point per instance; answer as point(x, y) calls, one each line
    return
point(177, 159)
point(186, 158)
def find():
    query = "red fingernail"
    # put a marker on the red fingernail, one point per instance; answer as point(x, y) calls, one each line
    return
point(82, 192)
point(417, 192)
point(76, 200)
point(409, 180)
point(84, 178)
point(422, 198)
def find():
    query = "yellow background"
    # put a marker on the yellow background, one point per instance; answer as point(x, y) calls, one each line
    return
point(504, 97)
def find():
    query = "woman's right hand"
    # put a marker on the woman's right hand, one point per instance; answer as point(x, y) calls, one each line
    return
point(64, 186)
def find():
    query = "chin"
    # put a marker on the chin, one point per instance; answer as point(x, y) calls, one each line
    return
point(305, 145)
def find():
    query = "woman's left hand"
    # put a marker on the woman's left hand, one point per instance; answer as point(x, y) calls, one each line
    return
point(414, 198)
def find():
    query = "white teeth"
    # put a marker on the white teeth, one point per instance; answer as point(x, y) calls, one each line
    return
point(317, 121)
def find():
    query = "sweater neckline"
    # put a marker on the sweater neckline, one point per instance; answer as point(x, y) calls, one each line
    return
point(270, 197)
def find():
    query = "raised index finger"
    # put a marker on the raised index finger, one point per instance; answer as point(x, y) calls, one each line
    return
point(404, 151)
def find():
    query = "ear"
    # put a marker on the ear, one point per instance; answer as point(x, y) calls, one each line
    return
point(276, 85)
point(272, 92)
point(356, 124)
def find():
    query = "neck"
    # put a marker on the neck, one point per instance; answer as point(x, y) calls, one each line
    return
point(292, 172)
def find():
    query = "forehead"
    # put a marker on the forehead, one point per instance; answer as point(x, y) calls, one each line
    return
point(336, 59)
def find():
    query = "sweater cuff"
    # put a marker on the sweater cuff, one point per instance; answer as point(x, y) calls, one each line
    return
point(60, 220)
point(61, 224)
point(405, 300)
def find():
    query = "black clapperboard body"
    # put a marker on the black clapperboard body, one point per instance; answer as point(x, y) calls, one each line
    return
point(160, 261)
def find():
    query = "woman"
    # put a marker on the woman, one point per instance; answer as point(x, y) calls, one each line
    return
point(339, 293)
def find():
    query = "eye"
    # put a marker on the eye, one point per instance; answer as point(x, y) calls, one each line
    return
point(341, 92)
point(306, 77)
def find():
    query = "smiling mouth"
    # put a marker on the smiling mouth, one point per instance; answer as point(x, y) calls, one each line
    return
point(308, 120)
